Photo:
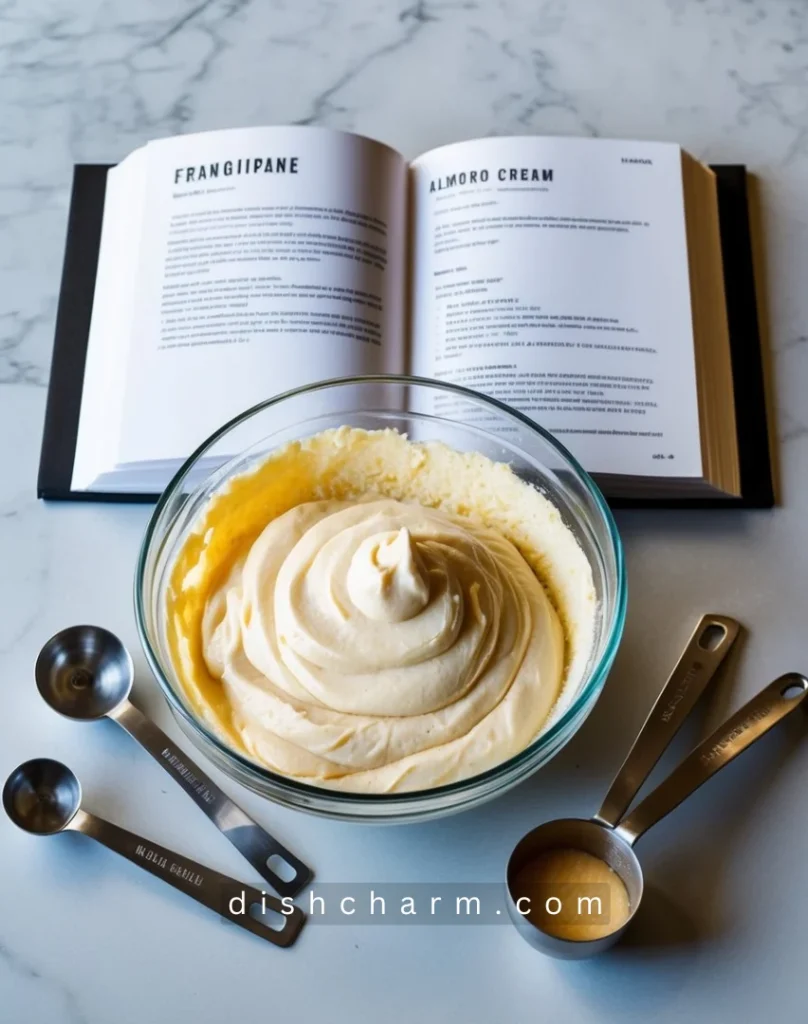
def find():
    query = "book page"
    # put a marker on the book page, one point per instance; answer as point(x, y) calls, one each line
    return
point(553, 274)
point(269, 258)
point(104, 390)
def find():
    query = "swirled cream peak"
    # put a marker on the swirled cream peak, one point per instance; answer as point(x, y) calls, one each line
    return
point(386, 578)
point(369, 637)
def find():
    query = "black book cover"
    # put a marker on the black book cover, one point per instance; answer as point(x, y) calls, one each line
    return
point(76, 302)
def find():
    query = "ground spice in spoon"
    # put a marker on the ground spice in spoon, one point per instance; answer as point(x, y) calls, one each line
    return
point(571, 894)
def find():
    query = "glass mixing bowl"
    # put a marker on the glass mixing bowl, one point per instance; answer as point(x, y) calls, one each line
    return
point(424, 410)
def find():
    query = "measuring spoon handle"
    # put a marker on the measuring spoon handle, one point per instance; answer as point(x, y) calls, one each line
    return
point(694, 670)
point(232, 899)
point(249, 838)
point(740, 731)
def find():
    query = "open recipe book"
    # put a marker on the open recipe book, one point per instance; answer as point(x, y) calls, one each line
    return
point(603, 288)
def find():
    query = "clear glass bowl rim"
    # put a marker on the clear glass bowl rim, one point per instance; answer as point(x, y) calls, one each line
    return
point(475, 782)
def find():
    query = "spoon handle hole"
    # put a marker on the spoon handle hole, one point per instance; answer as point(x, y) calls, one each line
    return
point(283, 869)
point(712, 636)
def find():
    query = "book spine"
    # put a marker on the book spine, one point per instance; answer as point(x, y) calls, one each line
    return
point(72, 331)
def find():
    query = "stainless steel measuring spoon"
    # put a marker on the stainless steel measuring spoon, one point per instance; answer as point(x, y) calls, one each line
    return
point(709, 644)
point(85, 673)
point(43, 797)
point(615, 845)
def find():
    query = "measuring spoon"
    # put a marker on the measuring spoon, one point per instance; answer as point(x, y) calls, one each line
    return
point(704, 653)
point(85, 673)
point(615, 845)
point(43, 797)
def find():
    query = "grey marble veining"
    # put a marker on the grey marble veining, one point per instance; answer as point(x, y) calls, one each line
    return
point(82, 938)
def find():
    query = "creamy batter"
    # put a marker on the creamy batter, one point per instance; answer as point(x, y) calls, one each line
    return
point(370, 614)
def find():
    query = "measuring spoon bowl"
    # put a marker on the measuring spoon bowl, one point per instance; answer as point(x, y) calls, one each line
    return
point(588, 836)
point(85, 673)
point(42, 796)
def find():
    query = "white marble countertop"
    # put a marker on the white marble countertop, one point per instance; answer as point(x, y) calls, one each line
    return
point(84, 936)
